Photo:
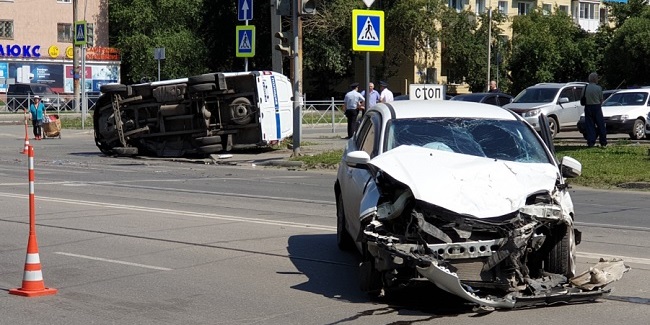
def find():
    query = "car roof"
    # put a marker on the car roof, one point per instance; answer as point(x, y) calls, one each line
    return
point(635, 90)
point(556, 84)
point(405, 109)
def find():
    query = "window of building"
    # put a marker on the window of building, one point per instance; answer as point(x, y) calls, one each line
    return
point(6, 29)
point(480, 6)
point(603, 16)
point(503, 7)
point(456, 4)
point(64, 1)
point(546, 9)
point(589, 10)
point(524, 7)
point(564, 9)
point(64, 33)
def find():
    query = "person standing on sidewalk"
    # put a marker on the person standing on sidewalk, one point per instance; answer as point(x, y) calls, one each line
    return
point(386, 96)
point(594, 121)
point(353, 102)
point(38, 112)
point(374, 95)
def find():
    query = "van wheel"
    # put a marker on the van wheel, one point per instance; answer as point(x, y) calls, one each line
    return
point(638, 130)
point(205, 141)
point(200, 79)
point(553, 126)
point(213, 148)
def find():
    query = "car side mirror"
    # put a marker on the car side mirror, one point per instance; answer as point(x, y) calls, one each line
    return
point(357, 159)
point(563, 100)
point(570, 167)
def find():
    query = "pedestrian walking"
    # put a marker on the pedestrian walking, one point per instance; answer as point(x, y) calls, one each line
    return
point(353, 103)
point(594, 121)
point(37, 109)
point(386, 95)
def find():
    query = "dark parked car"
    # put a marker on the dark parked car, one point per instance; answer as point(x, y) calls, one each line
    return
point(19, 96)
point(498, 99)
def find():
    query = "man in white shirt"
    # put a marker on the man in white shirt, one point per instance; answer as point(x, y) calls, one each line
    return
point(386, 95)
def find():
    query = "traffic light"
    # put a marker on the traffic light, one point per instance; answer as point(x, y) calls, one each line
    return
point(283, 7)
point(285, 46)
point(90, 35)
point(308, 7)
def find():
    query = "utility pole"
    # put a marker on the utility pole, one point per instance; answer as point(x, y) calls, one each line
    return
point(297, 79)
point(75, 59)
point(276, 26)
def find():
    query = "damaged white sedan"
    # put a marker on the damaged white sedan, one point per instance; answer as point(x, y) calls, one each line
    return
point(467, 196)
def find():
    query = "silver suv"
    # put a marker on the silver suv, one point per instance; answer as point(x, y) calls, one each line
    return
point(560, 102)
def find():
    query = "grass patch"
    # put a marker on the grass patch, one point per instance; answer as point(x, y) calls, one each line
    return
point(75, 122)
point(606, 168)
point(327, 159)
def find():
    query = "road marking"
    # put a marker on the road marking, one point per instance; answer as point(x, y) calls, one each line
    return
point(629, 259)
point(177, 212)
point(602, 225)
point(115, 261)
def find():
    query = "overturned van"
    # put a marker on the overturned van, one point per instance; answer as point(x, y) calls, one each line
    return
point(194, 116)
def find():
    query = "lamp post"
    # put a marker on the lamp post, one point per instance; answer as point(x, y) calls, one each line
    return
point(489, 46)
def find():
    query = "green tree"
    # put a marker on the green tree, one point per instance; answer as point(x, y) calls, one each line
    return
point(137, 27)
point(549, 48)
point(628, 53)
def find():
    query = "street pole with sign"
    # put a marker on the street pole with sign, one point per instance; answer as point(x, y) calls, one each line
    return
point(368, 36)
point(159, 54)
point(245, 35)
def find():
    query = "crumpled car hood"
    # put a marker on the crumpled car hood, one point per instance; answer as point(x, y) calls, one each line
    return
point(470, 185)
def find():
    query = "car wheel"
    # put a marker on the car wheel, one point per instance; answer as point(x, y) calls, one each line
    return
point(204, 78)
point(559, 258)
point(552, 124)
point(369, 278)
point(638, 130)
point(343, 238)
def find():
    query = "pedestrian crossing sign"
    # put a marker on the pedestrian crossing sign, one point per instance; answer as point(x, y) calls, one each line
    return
point(80, 33)
point(368, 30)
point(245, 41)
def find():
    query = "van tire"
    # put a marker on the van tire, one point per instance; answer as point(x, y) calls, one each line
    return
point(213, 148)
point(206, 141)
point(201, 79)
point(199, 88)
point(113, 88)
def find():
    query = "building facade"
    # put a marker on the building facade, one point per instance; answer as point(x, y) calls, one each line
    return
point(36, 44)
point(588, 14)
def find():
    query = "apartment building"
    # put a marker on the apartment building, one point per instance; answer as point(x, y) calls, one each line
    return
point(588, 14)
point(36, 44)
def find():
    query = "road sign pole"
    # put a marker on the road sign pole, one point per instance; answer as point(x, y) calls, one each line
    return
point(297, 76)
point(246, 58)
point(367, 100)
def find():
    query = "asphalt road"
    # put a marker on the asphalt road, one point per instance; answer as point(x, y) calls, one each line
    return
point(134, 241)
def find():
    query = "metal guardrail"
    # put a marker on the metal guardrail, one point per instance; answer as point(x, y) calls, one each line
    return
point(316, 113)
point(53, 103)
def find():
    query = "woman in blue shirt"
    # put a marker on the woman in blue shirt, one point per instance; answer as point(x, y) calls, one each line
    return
point(38, 112)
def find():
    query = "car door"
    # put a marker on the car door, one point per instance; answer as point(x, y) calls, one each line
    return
point(356, 180)
point(490, 99)
point(570, 112)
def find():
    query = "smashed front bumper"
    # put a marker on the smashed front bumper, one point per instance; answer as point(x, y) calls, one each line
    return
point(448, 281)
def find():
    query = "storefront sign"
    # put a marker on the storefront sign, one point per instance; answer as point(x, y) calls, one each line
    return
point(53, 51)
point(69, 52)
point(102, 54)
point(16, 50)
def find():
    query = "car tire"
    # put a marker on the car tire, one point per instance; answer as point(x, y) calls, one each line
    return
point(343, 239)
point(638, 130)
point(552, 124)
point(559, 256)
point(369, 278)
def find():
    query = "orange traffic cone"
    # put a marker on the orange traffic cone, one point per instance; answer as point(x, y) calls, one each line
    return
point(26, 149)
point(33, 285)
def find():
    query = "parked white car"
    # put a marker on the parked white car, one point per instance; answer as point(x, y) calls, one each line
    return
point(626, 111)
point(465, 195)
